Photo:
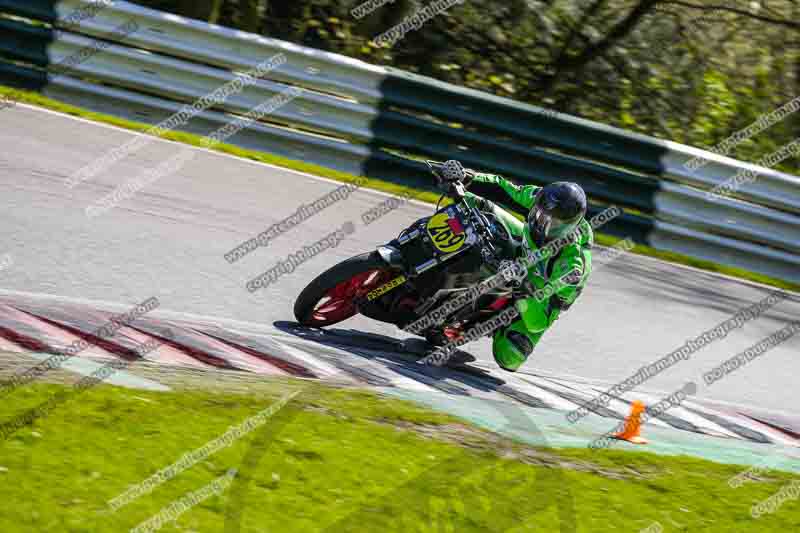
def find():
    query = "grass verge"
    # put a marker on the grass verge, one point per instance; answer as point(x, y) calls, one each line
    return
point(342, 460)
point(371, 183)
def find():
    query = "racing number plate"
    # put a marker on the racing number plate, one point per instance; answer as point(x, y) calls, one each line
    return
point(442, 235)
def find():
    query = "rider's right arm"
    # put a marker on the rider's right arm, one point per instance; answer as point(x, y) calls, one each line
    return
point(499, 190)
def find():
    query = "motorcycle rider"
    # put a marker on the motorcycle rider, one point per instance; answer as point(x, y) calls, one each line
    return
point(552, 283)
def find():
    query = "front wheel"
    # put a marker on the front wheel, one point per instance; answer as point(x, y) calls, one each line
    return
point(330, 297)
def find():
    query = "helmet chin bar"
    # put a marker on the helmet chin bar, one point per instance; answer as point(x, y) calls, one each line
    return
point(541, 232)
point(539, 227)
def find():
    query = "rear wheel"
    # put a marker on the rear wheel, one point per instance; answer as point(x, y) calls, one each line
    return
point(330, 297)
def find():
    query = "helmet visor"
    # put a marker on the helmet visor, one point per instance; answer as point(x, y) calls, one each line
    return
point(546, 227)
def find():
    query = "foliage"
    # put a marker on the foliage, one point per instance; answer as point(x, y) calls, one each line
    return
point(690, 72)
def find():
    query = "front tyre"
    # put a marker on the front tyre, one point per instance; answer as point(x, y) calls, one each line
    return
point(330, 297)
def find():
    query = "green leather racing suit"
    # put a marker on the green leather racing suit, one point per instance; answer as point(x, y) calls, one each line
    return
point(552, 283)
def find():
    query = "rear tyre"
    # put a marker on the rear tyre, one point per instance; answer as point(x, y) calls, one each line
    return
point(330, 297)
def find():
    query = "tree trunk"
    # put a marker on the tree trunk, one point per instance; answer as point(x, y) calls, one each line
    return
point(216, 9)
point(566, 63)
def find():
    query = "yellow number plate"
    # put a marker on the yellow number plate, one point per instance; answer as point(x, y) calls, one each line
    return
point(442, 236)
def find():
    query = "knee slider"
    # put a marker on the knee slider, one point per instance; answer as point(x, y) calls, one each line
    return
point(520, 342)
point(511, 349)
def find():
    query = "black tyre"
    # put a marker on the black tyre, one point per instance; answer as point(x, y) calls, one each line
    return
point(329, 298)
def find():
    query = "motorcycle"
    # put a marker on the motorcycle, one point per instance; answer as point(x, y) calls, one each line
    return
point(435, 260)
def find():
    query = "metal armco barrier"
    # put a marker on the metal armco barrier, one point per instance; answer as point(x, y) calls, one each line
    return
point(356, 117)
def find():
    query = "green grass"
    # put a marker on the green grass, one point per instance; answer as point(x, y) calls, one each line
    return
point(371, 182)
point(343, 460)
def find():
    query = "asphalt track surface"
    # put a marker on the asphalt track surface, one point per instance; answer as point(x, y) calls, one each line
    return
point(169, 240)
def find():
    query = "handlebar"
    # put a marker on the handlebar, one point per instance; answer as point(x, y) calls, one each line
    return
point(436, 168)
point(457, 191)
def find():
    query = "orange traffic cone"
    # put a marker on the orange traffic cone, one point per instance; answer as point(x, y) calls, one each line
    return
point(633, 425)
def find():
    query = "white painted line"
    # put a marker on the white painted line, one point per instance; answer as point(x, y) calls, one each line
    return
point(525, 382)
point(687, 416)
point(570, 380)
point(116, 306)
point(314, 362)
point(253, 328)
point(396, 379)
point(772, 434)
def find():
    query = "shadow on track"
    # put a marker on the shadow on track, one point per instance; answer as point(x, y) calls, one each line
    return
point(403, 357)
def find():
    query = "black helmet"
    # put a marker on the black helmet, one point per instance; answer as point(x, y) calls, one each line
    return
point(557, 210)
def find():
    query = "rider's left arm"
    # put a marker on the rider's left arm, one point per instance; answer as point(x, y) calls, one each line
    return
point(518, 198)
point(569, 276)
point(572, 269)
